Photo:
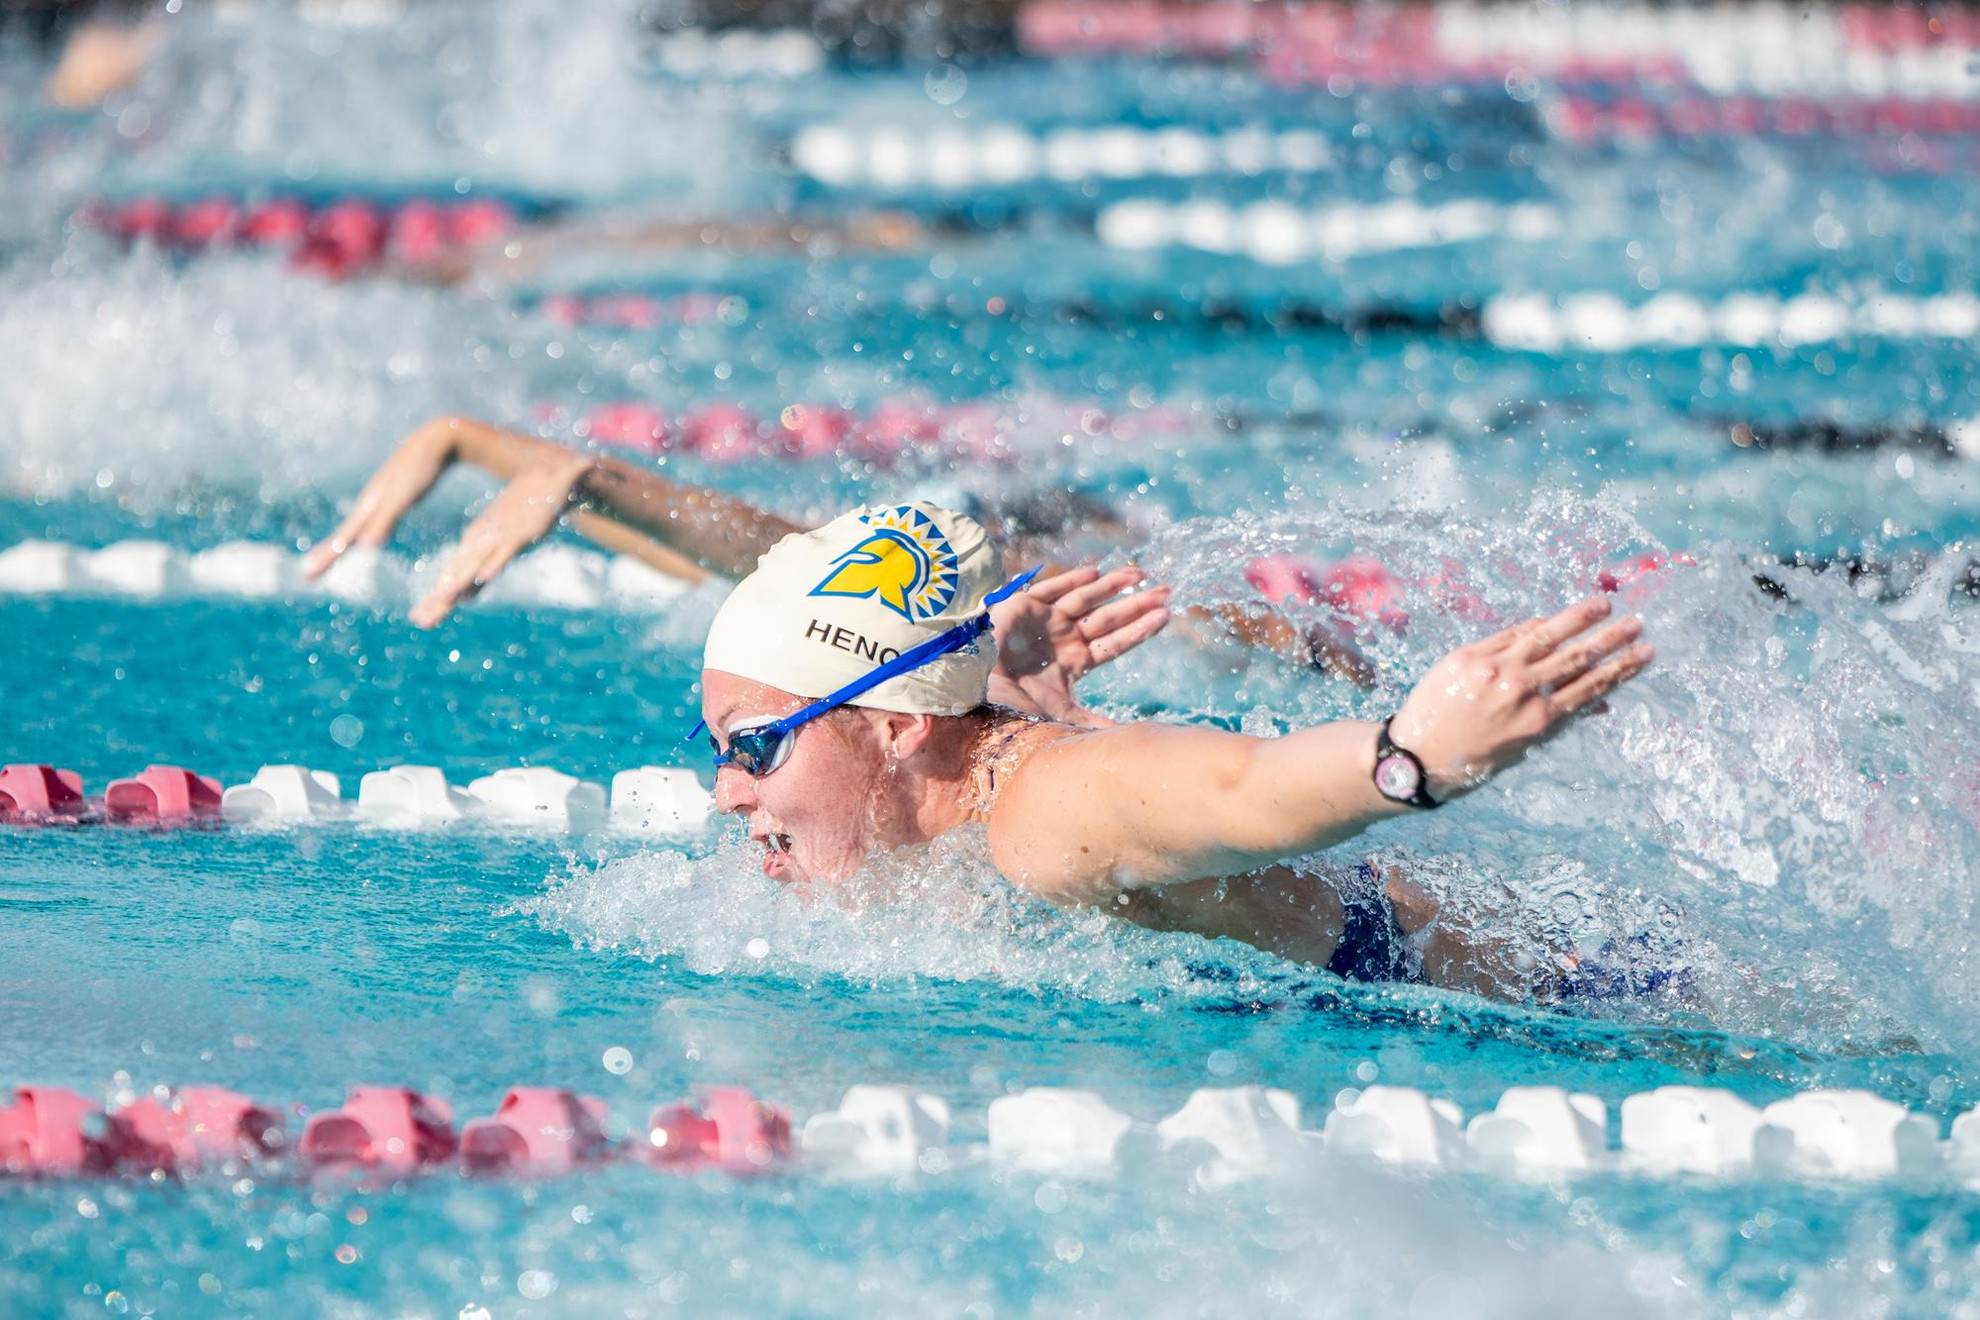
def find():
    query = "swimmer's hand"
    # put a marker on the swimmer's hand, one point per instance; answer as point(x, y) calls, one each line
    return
point(523, 514)
point(1063, 627)
point(543, 481)
point(401, 482)
point(1485, 705)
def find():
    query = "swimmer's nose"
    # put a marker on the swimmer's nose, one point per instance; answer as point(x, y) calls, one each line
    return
point(735, 792)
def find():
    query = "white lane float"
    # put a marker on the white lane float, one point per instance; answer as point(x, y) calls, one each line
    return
point(1248, 1131)
point(146, 569)
point(1066, 1133)
point(1600, 322)
point(284, 793)
point(556, 577)
point(40, 568)
point(411, 795)
point(1396, 1125)
point(1278, 233)
point(1689, 1129)
point(1845, 1134)
point(540, 797)
point(886, 1131)
point(1541, 1130)
point(953, 158)
point(660, 799)
point(249, 569)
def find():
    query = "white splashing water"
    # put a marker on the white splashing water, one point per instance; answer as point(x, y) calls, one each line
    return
point(718, 915)
point(489, 96)
point(150, 379)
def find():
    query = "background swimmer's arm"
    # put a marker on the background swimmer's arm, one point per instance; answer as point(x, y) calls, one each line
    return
point(1268, 629)
point(677, 528)
point(1091, 816)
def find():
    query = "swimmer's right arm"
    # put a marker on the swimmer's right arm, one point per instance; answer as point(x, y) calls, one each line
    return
point(1089, 817)
point(679, 528)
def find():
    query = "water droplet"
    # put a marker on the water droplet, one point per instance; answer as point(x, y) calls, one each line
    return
point(347, 731)
point(1050, 1198)
point(618, 1061)
point(347, 1254)
point(758, 947)
point(536, 1284)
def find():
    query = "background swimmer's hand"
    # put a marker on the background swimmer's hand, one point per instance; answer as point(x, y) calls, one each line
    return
point(523, 514)
point(1485, 705)
point(400, 482)
point(1063, 627)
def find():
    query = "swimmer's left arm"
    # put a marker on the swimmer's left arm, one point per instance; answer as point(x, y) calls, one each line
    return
point(1092, 815)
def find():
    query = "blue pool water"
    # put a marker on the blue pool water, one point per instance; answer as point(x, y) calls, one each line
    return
point(1787, 806)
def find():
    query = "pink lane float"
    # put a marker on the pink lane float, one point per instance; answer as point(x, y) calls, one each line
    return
point(729, 1129)
point(161, 795)
point(380, 1132)
point(976, 430)
point(539, 1132)
point(337, 240)
point(40, 794)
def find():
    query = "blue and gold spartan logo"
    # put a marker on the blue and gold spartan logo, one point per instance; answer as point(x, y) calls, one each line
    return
point(906, 562)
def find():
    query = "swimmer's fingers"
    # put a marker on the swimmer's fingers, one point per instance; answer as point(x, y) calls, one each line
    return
point(1151, 616)
point(1564, 666)
point(1112, 617)
point(521, 515)
point(1047, 590)
point(1597, 683)
point(1540, 636)
point(401, 482)
point(1084, 599)
point(485, 550)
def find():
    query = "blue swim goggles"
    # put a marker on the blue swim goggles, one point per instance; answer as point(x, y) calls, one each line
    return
point(760, 746)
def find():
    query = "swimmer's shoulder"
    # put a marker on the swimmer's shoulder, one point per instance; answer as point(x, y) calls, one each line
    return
point(1049, 816)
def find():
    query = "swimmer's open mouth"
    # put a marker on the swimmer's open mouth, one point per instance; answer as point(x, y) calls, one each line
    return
point(777, 863)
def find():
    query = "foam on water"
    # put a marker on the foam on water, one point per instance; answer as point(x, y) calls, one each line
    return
point(152, 383)
point(941, 913)
point(447, 95)
point(1780, 805)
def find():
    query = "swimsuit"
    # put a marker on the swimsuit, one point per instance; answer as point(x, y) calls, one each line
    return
point(1373, 946)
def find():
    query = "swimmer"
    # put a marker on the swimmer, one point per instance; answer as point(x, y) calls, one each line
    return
point(850, 713)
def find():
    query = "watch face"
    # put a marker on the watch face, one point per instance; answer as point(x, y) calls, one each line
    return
point(1396, 777)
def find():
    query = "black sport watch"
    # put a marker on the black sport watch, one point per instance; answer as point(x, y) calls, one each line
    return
point(1399, 775)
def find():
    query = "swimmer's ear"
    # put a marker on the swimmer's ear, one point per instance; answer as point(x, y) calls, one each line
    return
point(904, 735)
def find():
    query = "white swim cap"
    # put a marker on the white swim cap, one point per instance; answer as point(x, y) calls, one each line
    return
point(826, 607)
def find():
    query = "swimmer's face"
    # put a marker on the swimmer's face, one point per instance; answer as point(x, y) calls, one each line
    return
point(813, 816)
